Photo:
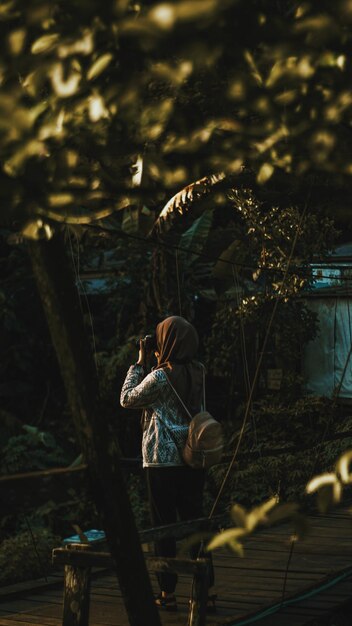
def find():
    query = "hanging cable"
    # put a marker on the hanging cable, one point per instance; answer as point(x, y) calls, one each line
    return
point(290, 601)
point(287, 570)
point(171, 246)
point(41, 567)
point(242, 333)
point(80, 286)
point(178, 284)
point(256, 374)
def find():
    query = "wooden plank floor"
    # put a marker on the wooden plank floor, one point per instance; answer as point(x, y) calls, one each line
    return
point(244, 585)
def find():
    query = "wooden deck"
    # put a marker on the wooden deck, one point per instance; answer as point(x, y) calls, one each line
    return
point(245, 586)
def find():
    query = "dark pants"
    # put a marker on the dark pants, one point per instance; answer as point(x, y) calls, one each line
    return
point(175, 493)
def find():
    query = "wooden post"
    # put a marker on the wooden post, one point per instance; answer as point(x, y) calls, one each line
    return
point(100, 450)
point(76, 591)
point(199, 596)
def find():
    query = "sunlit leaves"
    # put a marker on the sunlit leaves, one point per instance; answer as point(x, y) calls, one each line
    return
point(253, 67)
point(238, 515)
point(68, 217)
point(247, 522)
point(272, 139)
point(182, 202)
point(346, 10)
point(329, 489)
point(265, 172)
point(237, 89)
point(334, 112)
point(322, 143)
point(318, 29)
point(83, 45)
point(33, 148)
point(166, 14)
point(45, 43)
point(274, 98)
point(97, 109)
point(343, 468)
point(259, 514)
point(60, 199)
point(172, 72)
point(37, 229)
point(65, 86)
point(99, 66)
point(320, 481)
point(290, 68)
point(154, 118)
point(17, 123)
point(228, 538)
point(16, 41)
point(138, 172)
point(8, 10)
point(163, 15)
point(329, 486)
point(201, 136)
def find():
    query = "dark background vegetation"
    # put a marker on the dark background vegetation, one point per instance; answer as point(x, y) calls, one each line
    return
point(253, 100)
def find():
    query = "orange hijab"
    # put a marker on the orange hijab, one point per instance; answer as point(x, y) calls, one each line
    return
point(177, 343)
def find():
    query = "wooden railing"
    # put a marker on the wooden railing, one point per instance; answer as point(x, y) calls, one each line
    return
point(79, 558)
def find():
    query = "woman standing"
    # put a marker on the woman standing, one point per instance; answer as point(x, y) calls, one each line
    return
point(175, 490)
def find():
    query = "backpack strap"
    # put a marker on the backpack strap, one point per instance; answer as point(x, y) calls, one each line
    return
point(180, 399)
point(204, 402)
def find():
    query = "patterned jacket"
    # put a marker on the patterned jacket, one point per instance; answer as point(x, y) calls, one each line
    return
point(166, 426)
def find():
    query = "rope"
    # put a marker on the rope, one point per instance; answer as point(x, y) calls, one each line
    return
point(256, 374)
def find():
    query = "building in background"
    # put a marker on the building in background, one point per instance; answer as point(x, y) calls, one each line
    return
point(327, 360)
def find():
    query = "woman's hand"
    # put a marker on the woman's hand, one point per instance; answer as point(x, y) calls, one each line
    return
point(142, 353)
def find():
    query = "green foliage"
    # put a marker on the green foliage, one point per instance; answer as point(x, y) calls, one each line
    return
point(73, 507)
point(267, 261)
point(30, 388)
point(298, 423)
point(139, 502)
point(112, 364)
point(99, 125)
point(284, 445)
point(193, 239)
point(31, 451)
point(21, 558)
point(329, 487)
point(261, 83)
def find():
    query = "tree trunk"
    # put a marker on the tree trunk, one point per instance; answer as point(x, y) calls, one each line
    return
point(101, 453)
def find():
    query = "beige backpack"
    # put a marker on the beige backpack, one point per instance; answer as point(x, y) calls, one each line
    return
point(205, 440)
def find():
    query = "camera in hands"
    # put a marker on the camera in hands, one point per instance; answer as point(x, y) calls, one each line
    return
point(149, 342)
